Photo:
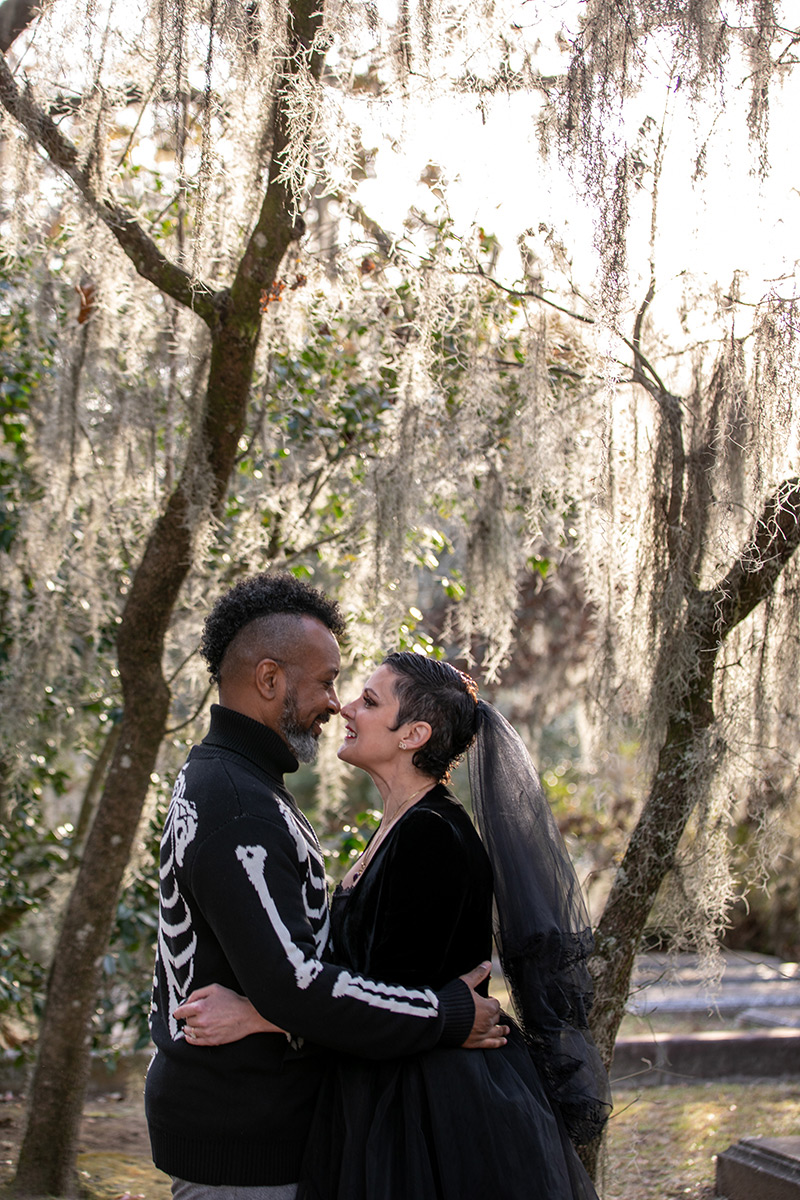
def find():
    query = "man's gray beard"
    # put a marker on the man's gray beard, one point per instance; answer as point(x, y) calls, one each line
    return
point(302, 742)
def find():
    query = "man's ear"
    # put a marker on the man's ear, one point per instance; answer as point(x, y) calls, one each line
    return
point(418, 734)
point(269, 678)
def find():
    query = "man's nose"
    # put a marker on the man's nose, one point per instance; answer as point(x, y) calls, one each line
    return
point(334, 705)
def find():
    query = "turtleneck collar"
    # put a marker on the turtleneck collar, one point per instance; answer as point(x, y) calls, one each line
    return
point(254, 741)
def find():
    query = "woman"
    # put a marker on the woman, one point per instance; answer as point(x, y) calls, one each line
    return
point(416, 908)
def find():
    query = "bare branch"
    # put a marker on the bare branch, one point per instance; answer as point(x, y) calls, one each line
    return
point(303, 552)
point(198, 708)
point(642, 367)
point(383, 240)
point(647, 377)
point(529, 295)
point(389, 247)
point(143, 252)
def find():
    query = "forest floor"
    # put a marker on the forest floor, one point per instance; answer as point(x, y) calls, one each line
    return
point(662, 1143)
point(663, 1139)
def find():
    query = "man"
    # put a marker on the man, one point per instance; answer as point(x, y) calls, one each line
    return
point(244, 904)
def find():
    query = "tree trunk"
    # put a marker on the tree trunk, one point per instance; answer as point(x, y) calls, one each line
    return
point(679, 781)
point(677, 784)
point(55, 1101)
point(92, 791)
point(47, 1157)
point(647, 861)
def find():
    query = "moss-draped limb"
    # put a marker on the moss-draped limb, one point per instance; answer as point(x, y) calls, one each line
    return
point(711, 616)
point(149, 261)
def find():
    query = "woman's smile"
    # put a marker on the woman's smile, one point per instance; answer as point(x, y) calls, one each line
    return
point(370, 720)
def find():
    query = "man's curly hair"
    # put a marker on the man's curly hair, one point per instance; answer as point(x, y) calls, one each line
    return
point(266, 595)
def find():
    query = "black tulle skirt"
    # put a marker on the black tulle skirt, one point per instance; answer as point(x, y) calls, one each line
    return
point(446, 1125)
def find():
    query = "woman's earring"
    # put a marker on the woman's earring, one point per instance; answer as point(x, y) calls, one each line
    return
point(401, 745)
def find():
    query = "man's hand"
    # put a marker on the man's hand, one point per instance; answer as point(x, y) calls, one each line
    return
point(486, 1032)
point(215, 1015)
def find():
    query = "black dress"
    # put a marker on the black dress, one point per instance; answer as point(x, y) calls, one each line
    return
point(447, 1124)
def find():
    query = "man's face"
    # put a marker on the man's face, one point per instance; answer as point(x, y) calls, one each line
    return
point(310, 698)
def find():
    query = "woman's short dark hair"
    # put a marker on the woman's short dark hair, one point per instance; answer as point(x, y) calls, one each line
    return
point(433, 691)
point(270, 594)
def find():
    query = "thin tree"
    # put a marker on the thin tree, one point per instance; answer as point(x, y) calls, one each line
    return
point(679, 783)
point(698, 513)
point(233, 318)
point(696, 624)
point(690, 721)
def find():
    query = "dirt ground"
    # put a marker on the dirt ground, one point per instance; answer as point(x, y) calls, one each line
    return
point(662, 1142)
point(114, 1149)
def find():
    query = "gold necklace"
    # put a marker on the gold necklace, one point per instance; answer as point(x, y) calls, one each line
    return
point(379, 837)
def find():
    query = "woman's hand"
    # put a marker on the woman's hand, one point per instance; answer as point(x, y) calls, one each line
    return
point(488, 1029)
point(215, 1015)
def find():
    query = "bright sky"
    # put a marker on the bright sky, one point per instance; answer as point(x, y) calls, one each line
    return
point(729, 221)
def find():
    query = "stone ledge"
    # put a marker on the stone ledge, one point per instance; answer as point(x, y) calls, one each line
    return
point(760, 1169)
point(692, 1057)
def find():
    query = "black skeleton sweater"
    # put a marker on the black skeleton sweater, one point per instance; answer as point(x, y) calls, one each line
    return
point(244, 903)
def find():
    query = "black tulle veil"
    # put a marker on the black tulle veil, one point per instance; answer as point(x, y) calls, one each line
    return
point(542, 927)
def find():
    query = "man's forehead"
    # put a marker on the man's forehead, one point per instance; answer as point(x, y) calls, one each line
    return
point(318, 648)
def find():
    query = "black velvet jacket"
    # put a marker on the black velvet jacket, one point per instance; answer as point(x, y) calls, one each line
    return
point(388, 927)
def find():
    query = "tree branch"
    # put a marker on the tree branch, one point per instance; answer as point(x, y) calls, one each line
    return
point(142, 251)
point(356, 212)
point(647, 377)
point(641, 365)
point(389, 247)
point(529, 295)
point(15, 17)
point(754, 574)
point(674, 789)
point(275, 228)
point(192, 716)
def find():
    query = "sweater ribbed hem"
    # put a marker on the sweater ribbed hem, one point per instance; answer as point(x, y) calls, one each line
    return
point(233, 1161)
point(458, 1009)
